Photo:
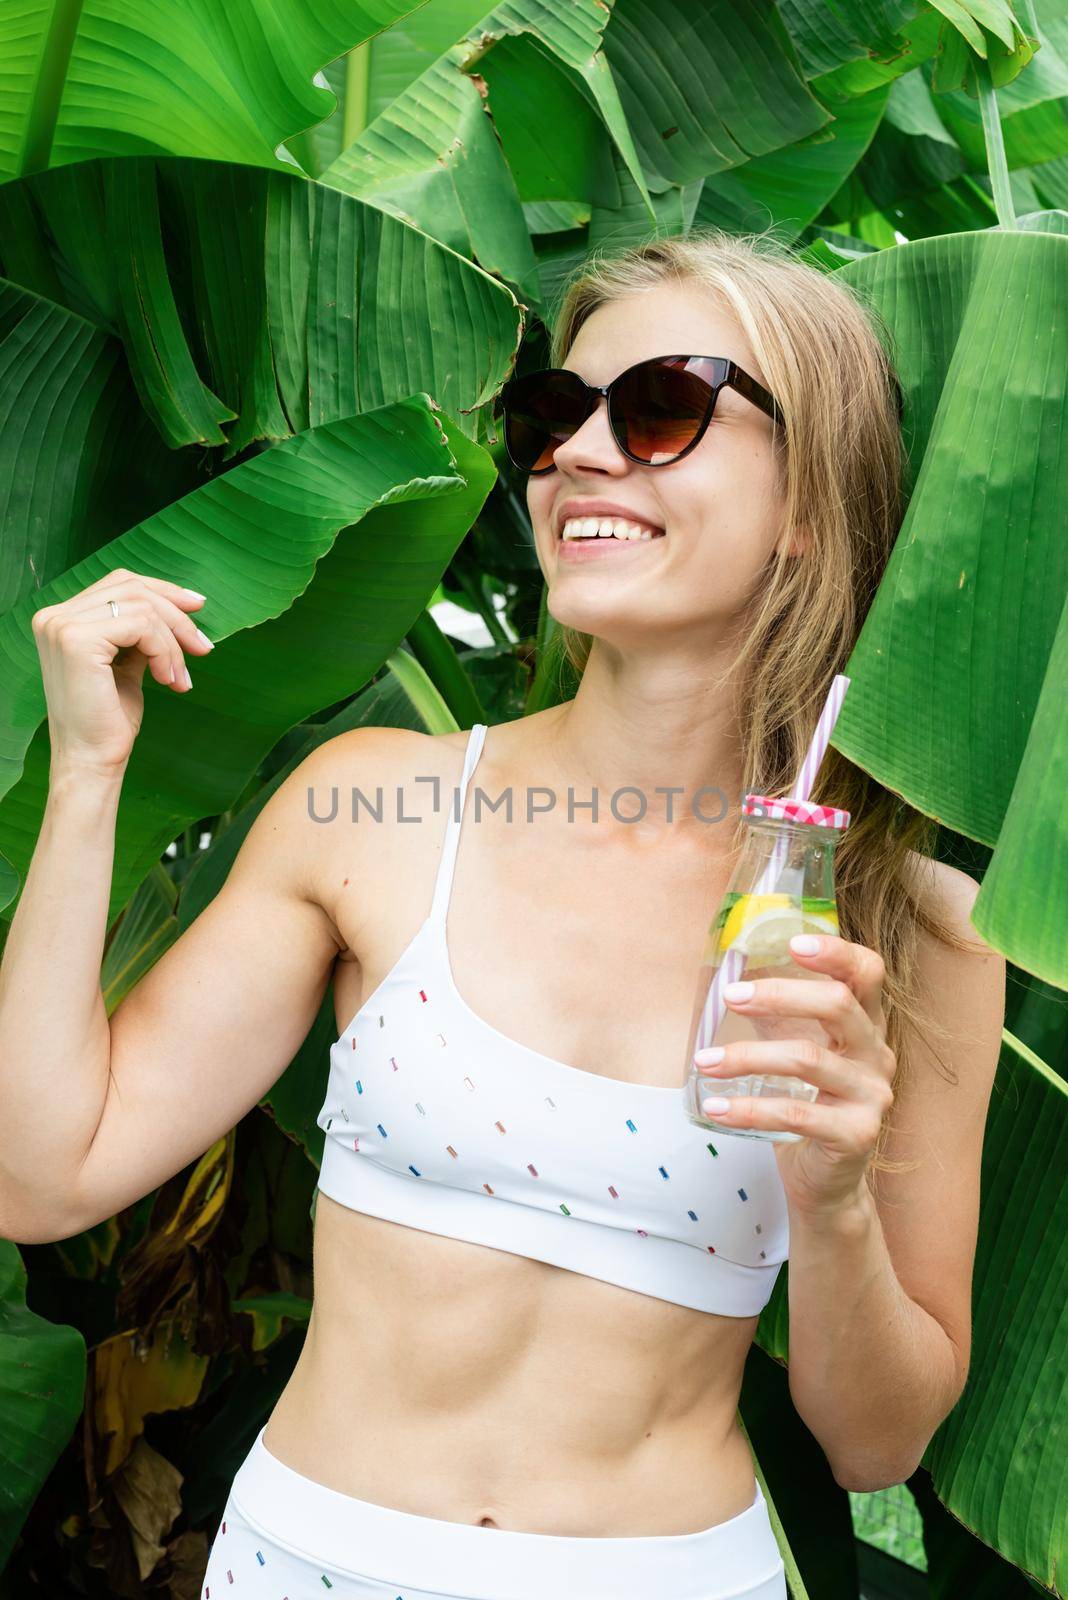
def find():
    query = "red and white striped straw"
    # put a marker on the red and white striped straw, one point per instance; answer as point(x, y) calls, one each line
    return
point(734, 960)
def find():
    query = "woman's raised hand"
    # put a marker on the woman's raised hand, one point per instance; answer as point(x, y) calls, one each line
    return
point(93, 657)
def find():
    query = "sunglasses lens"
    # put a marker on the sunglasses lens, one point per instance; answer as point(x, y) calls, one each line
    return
point(658, 408)
point(541, 411)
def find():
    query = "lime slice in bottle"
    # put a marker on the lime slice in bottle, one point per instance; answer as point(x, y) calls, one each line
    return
point(760, 926)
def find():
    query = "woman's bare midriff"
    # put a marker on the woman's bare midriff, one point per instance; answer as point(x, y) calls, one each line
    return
point(457, 1381)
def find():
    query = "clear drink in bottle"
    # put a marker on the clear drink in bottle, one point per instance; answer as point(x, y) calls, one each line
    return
point(783, 885)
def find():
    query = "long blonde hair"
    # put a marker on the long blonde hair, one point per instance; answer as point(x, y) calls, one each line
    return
point(826, 355)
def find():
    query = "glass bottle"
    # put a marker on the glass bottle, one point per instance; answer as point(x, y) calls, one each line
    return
point(782, 885)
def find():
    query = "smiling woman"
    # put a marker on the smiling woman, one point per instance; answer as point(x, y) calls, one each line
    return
point(558, 1275)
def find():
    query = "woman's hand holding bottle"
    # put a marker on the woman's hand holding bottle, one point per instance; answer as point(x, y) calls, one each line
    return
point(835, 1134)
point(94, 649)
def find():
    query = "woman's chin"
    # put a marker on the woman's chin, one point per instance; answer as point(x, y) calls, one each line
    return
point(614, 623)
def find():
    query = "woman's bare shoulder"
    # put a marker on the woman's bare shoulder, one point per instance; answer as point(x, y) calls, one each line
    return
point(359, 791)
point(961, 978)
point(377, 754)
point(405, 774)
point(943, 890)
point(375, 740)
point(351, 774)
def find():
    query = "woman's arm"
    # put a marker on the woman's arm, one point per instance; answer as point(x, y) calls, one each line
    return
point(881, 1264)
point(54, 1042)
point(96, 1112)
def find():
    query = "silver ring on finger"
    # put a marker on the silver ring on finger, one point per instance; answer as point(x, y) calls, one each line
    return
point(114, 604)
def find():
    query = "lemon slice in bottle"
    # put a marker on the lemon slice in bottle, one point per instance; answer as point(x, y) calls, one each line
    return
point(760, 926)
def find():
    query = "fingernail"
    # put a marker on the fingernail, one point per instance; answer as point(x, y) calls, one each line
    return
point(709, 1055)
point(806, 944)
point(738, 991)
point(188, 679)
point(194, 594)
point(174, 675)
point(205, 640)
point(716, 1106)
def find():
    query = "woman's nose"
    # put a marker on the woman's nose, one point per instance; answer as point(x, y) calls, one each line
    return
point(593, 445)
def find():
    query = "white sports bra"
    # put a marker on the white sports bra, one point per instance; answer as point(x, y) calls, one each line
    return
point(436, 1120)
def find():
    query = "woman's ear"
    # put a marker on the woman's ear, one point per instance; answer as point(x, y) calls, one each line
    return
point(799, 542)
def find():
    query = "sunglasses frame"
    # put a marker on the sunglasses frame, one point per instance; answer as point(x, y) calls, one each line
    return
point(731, 375)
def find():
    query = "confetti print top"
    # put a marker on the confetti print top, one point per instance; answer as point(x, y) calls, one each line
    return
point(435, 1119)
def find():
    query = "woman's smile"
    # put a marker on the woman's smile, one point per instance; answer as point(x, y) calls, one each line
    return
point(593, 549)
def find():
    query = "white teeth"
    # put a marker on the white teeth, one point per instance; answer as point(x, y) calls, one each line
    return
point(605, 528)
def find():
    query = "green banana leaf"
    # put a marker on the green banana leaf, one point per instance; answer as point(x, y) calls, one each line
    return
point(999, 1462)
point(626, 219)
point(42, 1389)
point(262, 543)
point(708, 93)
point(79, 459)
point(791, 187)
point(432, 155)
point(925, 167)
point(957, 1563)
point(400, 54)
point(112, 77)
point(861, 42)
point(317, 146)
point(147, 926)
point(431, 148)
point(271, 1312)
point(1030, 108)
point(912, 154)
point(954, 704)
point(277, 302)
point(372, 76)
point(434, 680)
point(927, 139)
point(161, 362)
point(984, 29)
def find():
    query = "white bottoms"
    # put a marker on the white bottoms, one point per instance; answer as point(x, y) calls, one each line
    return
point(283, 1536)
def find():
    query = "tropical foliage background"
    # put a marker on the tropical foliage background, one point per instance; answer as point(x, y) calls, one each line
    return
point(264, 269)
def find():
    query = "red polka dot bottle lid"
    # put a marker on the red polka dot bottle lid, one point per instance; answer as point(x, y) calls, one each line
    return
point(786, 810)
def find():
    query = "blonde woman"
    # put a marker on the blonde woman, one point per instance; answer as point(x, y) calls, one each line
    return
point(536, 1281)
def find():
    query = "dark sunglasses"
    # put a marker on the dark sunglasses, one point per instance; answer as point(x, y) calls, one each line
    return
point(658, 410)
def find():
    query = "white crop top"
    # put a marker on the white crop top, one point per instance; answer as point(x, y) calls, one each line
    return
point(436, 1120)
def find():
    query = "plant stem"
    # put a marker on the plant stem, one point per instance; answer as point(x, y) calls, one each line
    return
point(439, 661)
point(472, 587)
point(357, 74)
point(995, 145)
point(793, 1572)
point(49, 85)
